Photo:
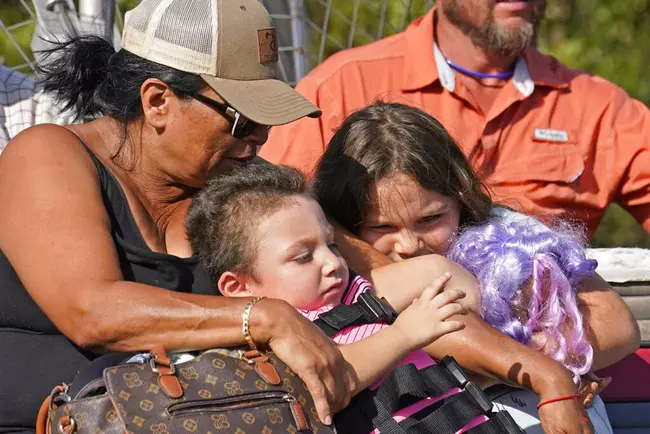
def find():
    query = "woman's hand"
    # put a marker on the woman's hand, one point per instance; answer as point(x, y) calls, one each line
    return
point(308, 352)
point(592, 385)
point(563, 417)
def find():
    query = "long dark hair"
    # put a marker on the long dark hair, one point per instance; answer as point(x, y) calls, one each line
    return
point(385, 138)
point(88, 77)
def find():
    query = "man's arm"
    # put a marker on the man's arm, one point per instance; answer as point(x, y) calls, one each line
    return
point(624, 142)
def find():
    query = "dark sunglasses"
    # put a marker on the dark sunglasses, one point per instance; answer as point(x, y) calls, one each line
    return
point(241, 126)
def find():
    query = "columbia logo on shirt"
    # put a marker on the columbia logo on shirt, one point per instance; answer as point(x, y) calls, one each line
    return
point(551, 135)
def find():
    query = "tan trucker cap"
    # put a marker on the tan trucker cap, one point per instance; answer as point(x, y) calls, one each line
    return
point(231, 44)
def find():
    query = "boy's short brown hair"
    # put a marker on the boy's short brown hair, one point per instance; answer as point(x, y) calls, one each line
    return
point(222, 217)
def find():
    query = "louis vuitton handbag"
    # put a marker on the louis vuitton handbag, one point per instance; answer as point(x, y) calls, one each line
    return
point(224, 391)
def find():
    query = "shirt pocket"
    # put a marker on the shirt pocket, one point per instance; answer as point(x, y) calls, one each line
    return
point(560, 168)
point(548, 180)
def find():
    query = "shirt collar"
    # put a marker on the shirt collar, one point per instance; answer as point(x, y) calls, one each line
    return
point(422, 69)
point(447, 76)
point(420, 66)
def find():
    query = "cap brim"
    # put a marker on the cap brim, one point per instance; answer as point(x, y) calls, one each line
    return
point(267, 102)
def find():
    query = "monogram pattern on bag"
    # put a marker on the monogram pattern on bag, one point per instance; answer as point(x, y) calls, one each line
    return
point(139, 421)
point(205, 394)
point(189, 373)
point(159, 428)
point(82, 420)
point(190, 425)
point(153, 388)
point(274, 415)
point(136, 405)
point(248, 418)
point(233, 388)
point(111, 416)
point(132, 380)
point(220, 421)
point(287, 385)
point(89, 415)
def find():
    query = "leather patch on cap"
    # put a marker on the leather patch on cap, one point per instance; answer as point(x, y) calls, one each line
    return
point(267, 42)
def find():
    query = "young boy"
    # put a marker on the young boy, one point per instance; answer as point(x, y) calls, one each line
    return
point(259, 232)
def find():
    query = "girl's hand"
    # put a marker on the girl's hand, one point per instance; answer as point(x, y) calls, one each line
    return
point(425, 320)
point(309, 353)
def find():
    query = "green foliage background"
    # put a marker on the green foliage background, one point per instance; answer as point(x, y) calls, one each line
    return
point(609, 38)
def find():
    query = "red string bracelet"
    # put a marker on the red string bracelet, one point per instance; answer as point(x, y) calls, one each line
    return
point(575, 396)
point(559, 398)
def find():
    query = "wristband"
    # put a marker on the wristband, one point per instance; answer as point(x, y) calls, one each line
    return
point(575, 396)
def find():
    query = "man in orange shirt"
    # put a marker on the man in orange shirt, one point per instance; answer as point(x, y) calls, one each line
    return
point(547, 139)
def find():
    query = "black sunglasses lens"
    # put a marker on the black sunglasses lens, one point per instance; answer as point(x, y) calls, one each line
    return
point(245, 127)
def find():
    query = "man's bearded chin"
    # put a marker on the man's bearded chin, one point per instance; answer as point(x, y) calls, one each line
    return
point(495, 39)
point(502, 42)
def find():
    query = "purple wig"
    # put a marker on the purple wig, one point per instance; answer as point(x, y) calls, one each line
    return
point(528, 275)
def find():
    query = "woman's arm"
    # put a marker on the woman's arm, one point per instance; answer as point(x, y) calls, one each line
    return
point(360, 256)
point(612, 330)
point(474, 346)
point(54, 230)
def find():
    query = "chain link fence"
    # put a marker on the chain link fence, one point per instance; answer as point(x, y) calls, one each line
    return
point(308, 30)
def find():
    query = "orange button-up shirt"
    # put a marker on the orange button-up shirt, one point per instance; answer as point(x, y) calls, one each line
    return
point(556, 142)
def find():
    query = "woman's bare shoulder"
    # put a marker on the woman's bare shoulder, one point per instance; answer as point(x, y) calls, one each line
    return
point(46, 164)
point(43, 139)
point(45, 151)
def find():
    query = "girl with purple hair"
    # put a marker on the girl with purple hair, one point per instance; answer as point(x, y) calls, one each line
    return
point(393, 178)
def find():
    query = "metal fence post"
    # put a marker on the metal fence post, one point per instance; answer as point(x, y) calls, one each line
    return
point(297, 36)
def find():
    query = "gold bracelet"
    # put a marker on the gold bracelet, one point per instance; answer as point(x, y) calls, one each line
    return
point(246, 327)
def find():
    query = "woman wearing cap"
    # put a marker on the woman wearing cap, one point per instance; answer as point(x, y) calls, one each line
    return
point(93, 253)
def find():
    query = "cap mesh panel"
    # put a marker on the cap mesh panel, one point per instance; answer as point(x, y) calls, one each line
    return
point(139, 17)
point(187, 23)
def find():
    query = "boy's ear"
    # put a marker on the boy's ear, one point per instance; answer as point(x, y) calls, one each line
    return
point(232, 285)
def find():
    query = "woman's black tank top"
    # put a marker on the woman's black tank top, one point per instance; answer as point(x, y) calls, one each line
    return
point(34, 355)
